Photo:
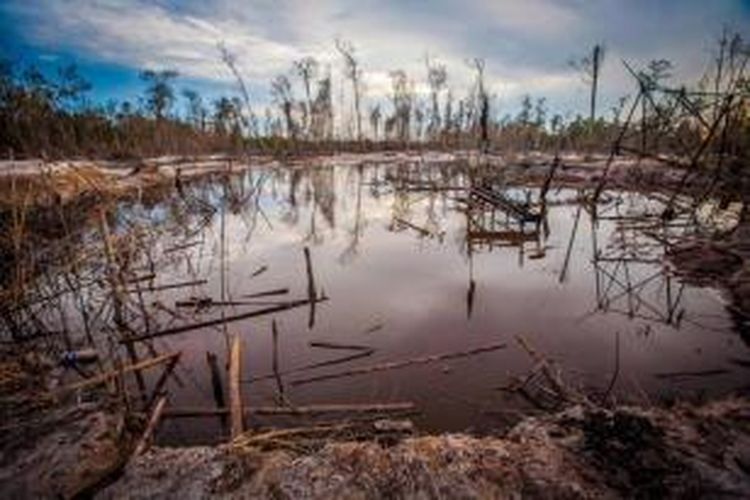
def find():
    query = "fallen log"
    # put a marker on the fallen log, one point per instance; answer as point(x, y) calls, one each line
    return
point(190, 412)
point(401, 364)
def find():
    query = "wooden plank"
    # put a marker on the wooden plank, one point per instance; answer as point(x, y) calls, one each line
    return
point(235, 394)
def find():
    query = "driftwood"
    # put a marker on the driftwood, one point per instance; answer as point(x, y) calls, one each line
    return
point(218, 321)
point(145, 442)
point(402, 364)
point(137, 367)
point(188, 412)
point(311, 366)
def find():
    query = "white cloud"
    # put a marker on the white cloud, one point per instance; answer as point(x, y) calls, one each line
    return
point(526, 43)
point(541, 18)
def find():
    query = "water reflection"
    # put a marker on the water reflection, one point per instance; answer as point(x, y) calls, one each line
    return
point(409, 246)
point(416, 259)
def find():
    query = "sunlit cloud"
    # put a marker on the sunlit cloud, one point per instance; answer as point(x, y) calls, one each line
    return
point(526, 44)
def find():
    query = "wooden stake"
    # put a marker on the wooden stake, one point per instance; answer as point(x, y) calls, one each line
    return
point(311, 292)
point(235, 395)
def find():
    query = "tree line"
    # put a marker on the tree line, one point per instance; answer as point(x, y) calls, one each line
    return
point(53, 116)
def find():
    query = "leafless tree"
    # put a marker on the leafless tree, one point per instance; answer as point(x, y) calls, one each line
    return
point(354, 74)
point(437, 76)
point(231, 62)
point(307, 69)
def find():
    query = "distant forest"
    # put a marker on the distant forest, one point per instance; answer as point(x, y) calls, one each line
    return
point(52, 117)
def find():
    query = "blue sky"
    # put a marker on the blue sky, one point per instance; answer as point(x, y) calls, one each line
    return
point(526, 44)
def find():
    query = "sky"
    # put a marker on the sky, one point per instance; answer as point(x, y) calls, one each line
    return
point(526, 44)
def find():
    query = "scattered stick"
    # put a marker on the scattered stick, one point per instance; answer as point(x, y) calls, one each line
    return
point(208, 302)
point(402, 364)
point(374, 328)
point(616, 371)
point(138, 279)
point(312, 366)
point(422, 231)
point(169, 286)
point(114, 374)
point(259, 271)
point(345, 347)
point(163, 378)
point(216, 385)
point(280, 396)
point(277, 291)
point(699, 373)
point(311, 293)
point(182, 246)
point(145, 442)
point(218, 321)
point(188, 412)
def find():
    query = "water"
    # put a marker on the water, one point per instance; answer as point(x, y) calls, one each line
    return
point(401, 278)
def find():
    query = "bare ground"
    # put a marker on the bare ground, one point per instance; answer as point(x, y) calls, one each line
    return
point(68, 180)
point(583, 452)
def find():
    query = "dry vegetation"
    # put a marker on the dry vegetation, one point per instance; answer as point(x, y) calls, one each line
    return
point(74, 271)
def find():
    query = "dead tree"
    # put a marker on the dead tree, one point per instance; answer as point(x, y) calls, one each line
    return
point(354, 74)
point(307, 69)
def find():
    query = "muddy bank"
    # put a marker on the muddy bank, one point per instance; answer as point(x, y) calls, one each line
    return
point(52, 447)
point(64, 448)
point(583, 452)
point(721, 261)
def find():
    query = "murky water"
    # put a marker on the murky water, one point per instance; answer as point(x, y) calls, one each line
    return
point(411, 272)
